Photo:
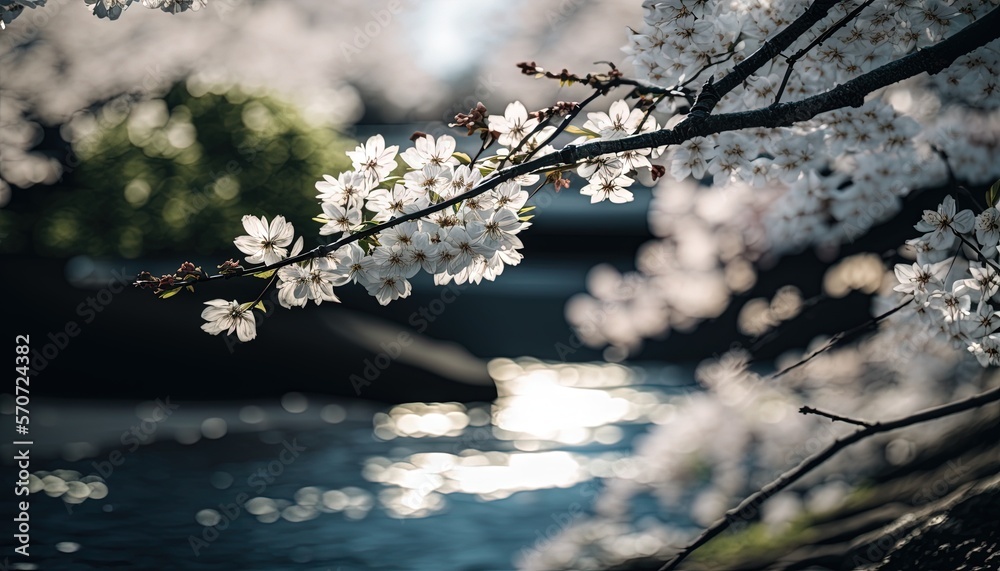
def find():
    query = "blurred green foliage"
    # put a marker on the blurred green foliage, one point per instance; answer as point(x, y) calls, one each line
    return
point(175, 176)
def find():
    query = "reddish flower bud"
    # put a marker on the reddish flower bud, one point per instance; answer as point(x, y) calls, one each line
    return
point(658, 171)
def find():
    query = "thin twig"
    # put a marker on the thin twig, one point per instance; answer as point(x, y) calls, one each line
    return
point(976, 249)
point(821, 298)
point(538, 129)
point(565, 123)
point(749, 507)
point(832, 416)
point(270, 282)
point(765, 53)
point(486, 143)
point(759, 341)
point(705, 67)
point(842, 337)
point(819, 40)
point(645, 116)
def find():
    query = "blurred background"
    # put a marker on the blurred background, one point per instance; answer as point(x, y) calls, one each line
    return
point(138, 144)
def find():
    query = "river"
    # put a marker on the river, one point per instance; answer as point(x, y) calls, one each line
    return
point(311, 483)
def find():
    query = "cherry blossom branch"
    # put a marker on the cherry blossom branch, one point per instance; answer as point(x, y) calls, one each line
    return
point(753, 501)
point(975, 249)
point(819, 40)
point(712, 91)
point(270, 283)
point(852, 93)
point(602, 81)
point(538, 129)
point(570, 116)
point(834, 417)
point(680, 90)
point(954, 181)
point(565, 122)
point(842, 337)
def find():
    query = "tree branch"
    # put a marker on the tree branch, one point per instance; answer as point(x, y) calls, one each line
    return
point(834, 417)
point(931, 60)
point(819, 40)
point(748, 507)
point(841, 337)
point(562, 126)
point(771, 49)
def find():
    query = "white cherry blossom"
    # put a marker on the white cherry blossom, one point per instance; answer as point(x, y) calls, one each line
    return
point(265, 242)
point(374, 160)
point(229, 316)
point(427, 151)
point(514, 125)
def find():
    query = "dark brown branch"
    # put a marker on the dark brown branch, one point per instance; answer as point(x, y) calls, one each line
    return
point(602, 81)
point(649, 111)
point(819, 40)
point(975, 249)
point(714, 91)
point(542, 124)
point(832, 416)
point(562, 126)
point(748, 508)
point(930, 60)
point(851, 94)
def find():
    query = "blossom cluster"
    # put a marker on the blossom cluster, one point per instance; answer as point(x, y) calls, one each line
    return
point(468, 241)
point(471, 239)
point(845, 170)
point(955, 296)
point(10, 9)
point(608, 176)
point(112, 9)
point(821, 182)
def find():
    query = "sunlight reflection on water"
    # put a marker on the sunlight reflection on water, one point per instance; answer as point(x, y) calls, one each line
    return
point(554, 434)
point(541, 407)
point(492, 452)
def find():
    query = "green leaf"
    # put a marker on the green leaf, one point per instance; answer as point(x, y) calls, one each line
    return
point(462, 158)
point(169, 293)
point(526, 218)
point(265, 274)
point(526, 209)
point(574, 130)
point(993, 195)
point(190, 289)
point(260, 306)
point(320, 220)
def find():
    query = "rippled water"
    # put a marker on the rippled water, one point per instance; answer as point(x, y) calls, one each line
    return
point(303, 484)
